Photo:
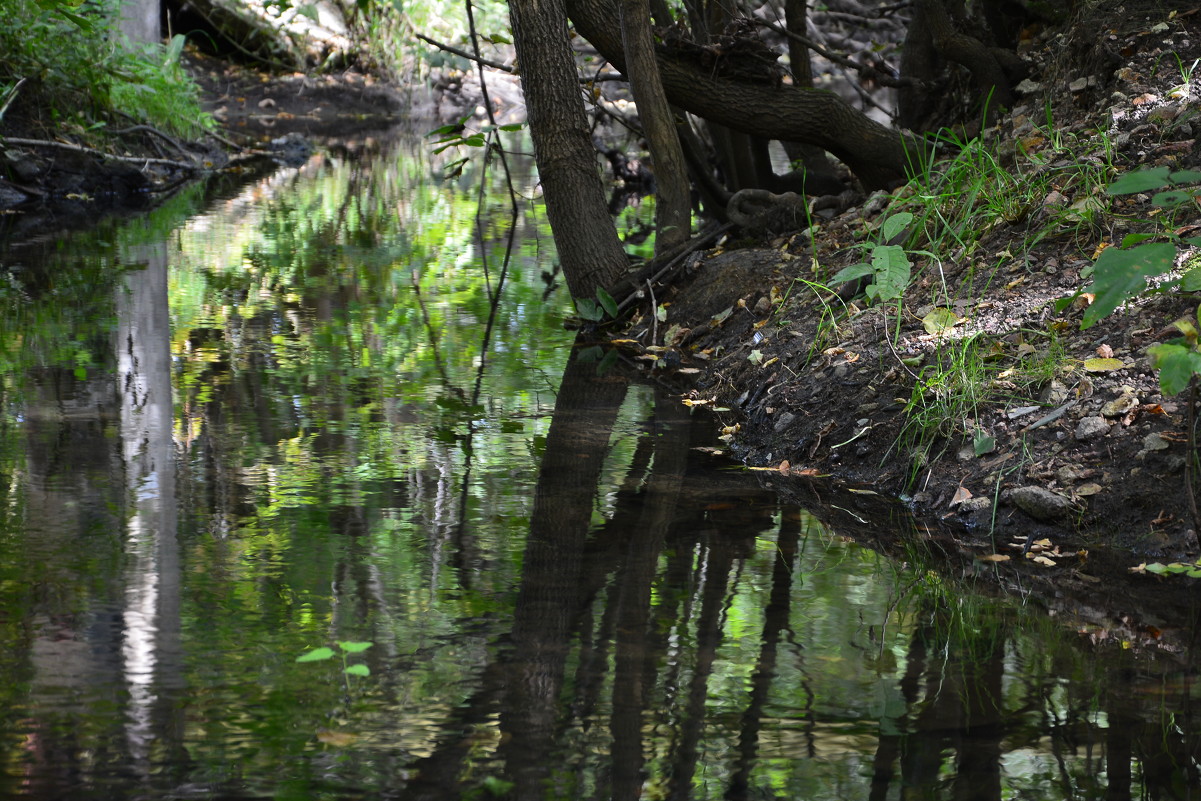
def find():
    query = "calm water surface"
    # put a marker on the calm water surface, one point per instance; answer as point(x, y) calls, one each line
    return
point(288, 415)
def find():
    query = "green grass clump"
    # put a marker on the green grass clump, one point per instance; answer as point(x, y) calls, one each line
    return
point(76, 70)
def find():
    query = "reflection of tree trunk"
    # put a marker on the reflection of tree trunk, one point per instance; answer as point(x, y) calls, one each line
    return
point(152, 653)
point(585, 411)
point(978, 772)
point(716, 577)
point(633, 668)
point(889, 744)
point(775, 620)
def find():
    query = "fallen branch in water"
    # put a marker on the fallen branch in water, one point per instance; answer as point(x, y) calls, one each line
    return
point(179, 165)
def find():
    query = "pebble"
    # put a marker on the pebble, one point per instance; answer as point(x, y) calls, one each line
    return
point(1091, 427)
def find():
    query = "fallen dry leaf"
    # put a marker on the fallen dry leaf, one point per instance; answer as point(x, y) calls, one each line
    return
point(962, 494)
point(784, 466)
point(1042, 560)
point(995, 557)
point(1105, 352)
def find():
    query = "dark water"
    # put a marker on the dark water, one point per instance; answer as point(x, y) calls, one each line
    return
point(287, 415)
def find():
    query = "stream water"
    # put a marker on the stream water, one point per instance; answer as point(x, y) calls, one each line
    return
point(287, 415)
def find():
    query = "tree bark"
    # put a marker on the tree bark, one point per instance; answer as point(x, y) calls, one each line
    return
point(673, 209)
point(589, 250)
point(878, 155)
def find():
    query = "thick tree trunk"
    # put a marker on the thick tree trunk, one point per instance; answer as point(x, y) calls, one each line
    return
point(673, 209)
point(877, 154)
point(589, 250)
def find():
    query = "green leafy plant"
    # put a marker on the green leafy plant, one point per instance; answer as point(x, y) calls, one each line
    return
point(345, 649)
point(888, 265)
point(1121, 273)
point(595, 310)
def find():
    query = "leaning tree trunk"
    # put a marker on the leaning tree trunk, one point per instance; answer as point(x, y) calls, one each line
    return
point(589, 250)
point(673, 207)
point(878, 155)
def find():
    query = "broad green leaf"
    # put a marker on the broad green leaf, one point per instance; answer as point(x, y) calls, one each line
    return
point(1171, 199)
point(354, 647)
point(513, 126)
point(1177, 365)
point(316, 655)
point(661, 313)
point(1119, 275)
point(894, 225)
point(1186, 177)
point(1191, 281)
point(1140, 181)
point(1157, 568)
point(1130, 240)
point(358, 670)
point(983, 444)
point(606, 301)
point(589, 309)
point(851, 273)
point(892, 268)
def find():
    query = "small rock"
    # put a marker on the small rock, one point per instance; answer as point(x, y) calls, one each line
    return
point(1078, 85)
point(1027, 87)
point(1154, 442)
point(1091, 428)
point(1160, 27)
point(1119, 405)
point(763, 306)
point(1041, 503)
point(973, 505)
point(783, 421)
point(1055, 393)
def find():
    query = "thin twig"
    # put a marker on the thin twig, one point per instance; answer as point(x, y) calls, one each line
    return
point(150, 129)
point(654, 313)
point(12, 95)
point(863, 69)
point(1189, 487)
point(496, 65)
